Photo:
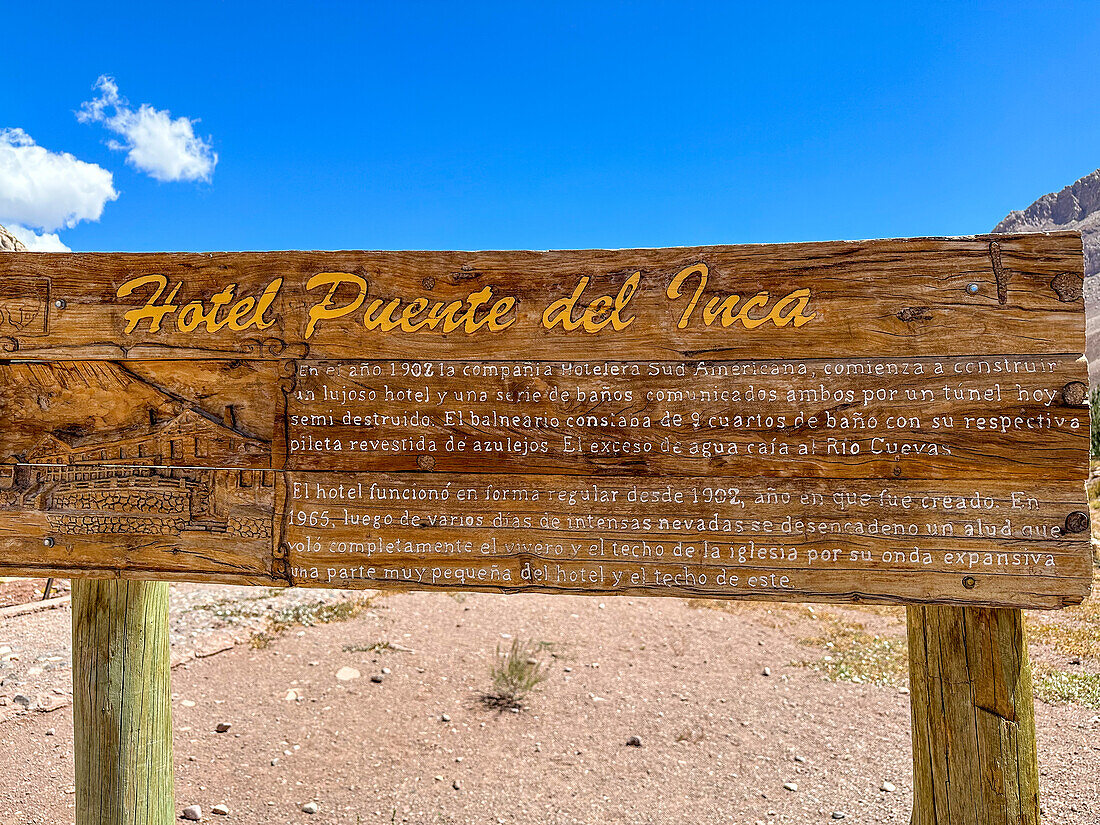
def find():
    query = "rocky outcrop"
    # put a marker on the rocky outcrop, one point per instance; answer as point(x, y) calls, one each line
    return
point(1075, 207)
point(10, 243)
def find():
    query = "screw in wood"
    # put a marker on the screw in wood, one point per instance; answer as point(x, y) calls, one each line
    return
point(969, 582)
point(48, 541)
point(972, 289)
point(59, 303)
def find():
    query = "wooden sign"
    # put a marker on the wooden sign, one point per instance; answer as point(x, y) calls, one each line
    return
point(882, 421)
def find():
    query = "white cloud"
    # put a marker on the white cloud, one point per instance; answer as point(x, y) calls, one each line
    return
point(37, 242)
point(48, 190)
point(165, 149)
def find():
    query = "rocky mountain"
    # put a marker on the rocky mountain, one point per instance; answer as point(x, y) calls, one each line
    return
point(9, 243)
point(1075, 207)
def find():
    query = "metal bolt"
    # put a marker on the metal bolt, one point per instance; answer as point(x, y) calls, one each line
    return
point(972, 289)
point(59, 303)
point(48, 541)
point(970, 583)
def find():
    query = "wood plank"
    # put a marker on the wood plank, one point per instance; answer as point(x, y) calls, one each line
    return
point(122, 708)
point(974, 749)
point(889, 298)
point(956, 417)
point(889, 418)
point(817, 436)
point(813, 540)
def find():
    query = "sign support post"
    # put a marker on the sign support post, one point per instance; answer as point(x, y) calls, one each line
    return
point(122, 715)
point(974, 753)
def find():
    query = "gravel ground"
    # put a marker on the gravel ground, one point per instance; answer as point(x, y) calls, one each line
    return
point(402, 735)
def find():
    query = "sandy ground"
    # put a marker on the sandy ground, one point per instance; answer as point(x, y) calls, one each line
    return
point(719, 738)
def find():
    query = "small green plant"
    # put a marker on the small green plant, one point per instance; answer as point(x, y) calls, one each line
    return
point(1059, 686)
point(515, 673)
point(851, 654)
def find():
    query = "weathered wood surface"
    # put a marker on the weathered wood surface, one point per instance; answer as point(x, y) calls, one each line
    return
point(190, 455)
point(885, 418)
point(891, 418)
point(807, 540)
point(974, 749)
point(122, 717)
point(886, 298)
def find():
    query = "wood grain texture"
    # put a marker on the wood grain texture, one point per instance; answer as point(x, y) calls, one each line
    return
point(885, 418)
point(974, 749)
point(939, 369)
point(806, 540)
point(122, 716)
point(888, 298)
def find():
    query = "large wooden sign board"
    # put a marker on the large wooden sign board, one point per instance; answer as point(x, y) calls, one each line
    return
point(881, 421)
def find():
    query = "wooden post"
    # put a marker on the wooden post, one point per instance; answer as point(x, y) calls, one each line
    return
point(121, 703)
point(974, 754)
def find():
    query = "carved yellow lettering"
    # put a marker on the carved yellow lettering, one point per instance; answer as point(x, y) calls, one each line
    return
point(497, 313)
point(674, 290)
point(237, 313)
point(561, 310)
point(799, 299)
point(266, 300)
point(760, 299)
point(150, 310)
point(379, 315)
point(721, 307)
point(598, 314)
point(594, 310)
point(326, 309)
point(191, 316)
point(410, 312)
point(622, 299)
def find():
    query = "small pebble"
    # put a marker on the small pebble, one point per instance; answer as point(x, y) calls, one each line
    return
point(220, 810)
point(903, 690)
point(346, 674)
point(790, 786)
point(188, 703)
point(446, 717)
point(21, 699)
point(274, 761)
point(456, 785)
point(634, 742)
point(377, 679)
point(223, 727)
point(50, 732)
point(889, 787)
point(386, 671)
point(310, 808)
point(192, 813)
point(838, 814)
point(767, 671)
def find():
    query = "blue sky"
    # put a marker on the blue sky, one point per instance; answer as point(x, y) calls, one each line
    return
point(560, 125)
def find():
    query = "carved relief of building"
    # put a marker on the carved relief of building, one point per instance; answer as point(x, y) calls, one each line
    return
point(157, 478)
